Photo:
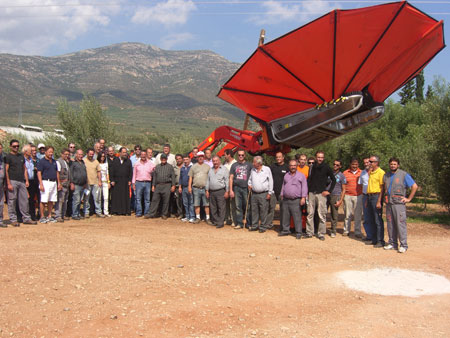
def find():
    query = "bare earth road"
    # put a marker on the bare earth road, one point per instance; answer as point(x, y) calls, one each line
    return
point(127, 277)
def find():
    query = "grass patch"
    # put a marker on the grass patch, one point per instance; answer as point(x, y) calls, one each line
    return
point(433, 218)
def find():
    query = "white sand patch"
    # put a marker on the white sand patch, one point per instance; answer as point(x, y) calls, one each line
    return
point(395, 282)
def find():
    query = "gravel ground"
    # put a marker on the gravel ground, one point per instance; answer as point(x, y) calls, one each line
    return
point(126, 277)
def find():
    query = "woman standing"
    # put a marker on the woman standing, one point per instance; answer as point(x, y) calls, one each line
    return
point(106, 185)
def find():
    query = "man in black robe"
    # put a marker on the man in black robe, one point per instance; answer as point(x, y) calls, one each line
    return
point(121, 174)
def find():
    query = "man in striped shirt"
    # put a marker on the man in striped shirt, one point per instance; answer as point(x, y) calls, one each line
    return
point(163, 185)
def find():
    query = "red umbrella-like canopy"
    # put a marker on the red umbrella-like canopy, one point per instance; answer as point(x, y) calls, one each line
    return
point(377, 49)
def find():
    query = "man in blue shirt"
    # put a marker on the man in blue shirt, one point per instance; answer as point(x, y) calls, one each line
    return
point(48, 177)
point(396, 182)
point(183, 188)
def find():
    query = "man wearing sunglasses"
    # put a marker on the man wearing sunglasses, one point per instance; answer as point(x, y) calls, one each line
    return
point(17, 183)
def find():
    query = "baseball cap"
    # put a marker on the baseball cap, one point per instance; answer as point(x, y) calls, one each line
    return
point(164, 156)
point(200, 153)
point(41, 145)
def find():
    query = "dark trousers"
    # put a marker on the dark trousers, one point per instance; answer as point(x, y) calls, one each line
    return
point(176, 203)
point(34, 198)
point(260, 207)
point(217, 206)
point(291, 208)
point(161, 193)
point(376, 219)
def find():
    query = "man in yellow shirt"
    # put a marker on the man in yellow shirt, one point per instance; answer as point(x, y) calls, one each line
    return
point(375, 198)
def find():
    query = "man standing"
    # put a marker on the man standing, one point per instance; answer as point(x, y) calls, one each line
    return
point(230, 214)
point(136, 156)
point(121, 175)
point(396, 182)
point(17, 183)
point(170, 157)
point(142, 182)
point(97, 149)
point(94, 181)
point(304, 169)
point(375, 201)
point(33, 182)
point(48, 177)
point(163, 185)
point(150, 157)
point(78, 181)
point(336, 197)
point(183, 189)
point(278, 169)
point(194, 155)
point(41, 147)
point(176, 202)
point(63, 188)
point(72, 151)
point(293, 193)
point(2, 187)
point(363, 182)
point(353, 199)
point(239, 175)
point(260, 183)
point(317, 196)
point(198, 175)
point(217, 191)
point(208, 158)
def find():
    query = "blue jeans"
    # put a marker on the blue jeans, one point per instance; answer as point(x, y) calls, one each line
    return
point(367, 220)
point(240, 197)
point(142, 188)
point(96, 194)
point(188, 202)
point(376, 219)
point(76, 200)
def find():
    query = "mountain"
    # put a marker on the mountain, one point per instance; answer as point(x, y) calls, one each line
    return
point(140, 86)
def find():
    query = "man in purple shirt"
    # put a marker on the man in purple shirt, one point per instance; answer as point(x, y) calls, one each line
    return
point(293, 193)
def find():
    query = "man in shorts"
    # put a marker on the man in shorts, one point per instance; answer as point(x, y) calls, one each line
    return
point(198, 175)
point(48, 176)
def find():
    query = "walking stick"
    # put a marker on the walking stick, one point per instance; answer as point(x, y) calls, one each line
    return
point(246, 208)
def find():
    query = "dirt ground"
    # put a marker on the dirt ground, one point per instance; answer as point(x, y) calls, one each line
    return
point(126, 277)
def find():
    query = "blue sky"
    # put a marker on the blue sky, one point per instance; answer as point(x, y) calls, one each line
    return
point(229, 27)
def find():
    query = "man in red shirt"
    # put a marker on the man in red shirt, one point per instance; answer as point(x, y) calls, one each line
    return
point(353, 199)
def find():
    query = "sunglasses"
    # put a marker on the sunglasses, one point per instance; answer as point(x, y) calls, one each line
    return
point(241, 155)
point(310, 162)
point(373, 161)
point(16, 146)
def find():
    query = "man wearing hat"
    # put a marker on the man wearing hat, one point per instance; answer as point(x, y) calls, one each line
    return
point(198, 175)
point(163, 184)
point(41, 154)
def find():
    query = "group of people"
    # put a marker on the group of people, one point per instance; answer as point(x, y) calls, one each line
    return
point(199, 186)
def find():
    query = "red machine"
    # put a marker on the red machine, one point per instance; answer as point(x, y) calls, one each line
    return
point(327, 77)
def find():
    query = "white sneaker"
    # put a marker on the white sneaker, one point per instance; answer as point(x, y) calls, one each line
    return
point(402, 250)
point(192, 220)
point(389, 247)
point(52, 220)
point(184, 219)
point(43, 220)
point(332, 235)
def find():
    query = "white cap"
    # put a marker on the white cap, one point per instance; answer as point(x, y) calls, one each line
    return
point(200, 153)
point(41, 145)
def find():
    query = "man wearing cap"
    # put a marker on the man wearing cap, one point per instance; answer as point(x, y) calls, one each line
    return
point(163, 184)
point(170, 157)
point(41, 147)
point(198, 175)
point(217, 191)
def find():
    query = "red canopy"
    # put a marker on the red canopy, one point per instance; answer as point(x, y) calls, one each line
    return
point(377, 48)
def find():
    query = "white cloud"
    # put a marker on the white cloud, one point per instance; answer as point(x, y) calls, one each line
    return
point(171, 12)
point(172, 40)
point(32, 27)
point(276, 12)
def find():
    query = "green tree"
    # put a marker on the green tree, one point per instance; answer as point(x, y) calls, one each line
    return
point(420, 83)
point(407, 93)
point(85, 124)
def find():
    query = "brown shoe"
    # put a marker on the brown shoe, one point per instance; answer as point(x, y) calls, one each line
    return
point(164, 217)
point(29, 222)
point(15, 224)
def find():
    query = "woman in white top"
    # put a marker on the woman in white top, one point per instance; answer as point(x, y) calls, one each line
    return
point(106, 185)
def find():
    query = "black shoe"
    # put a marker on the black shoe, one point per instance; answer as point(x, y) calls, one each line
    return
point(164, 217)
point(219, 226)
point(365, 239)
point(138, 215)
point(3, 225)
point(281, 234)
point(322, 238)
point(76, 218)
point(147, 216)
point(229, 222)
point(253, 229)
point(307, 236)
point(208, 221)
point(378, 245)
point(298, 236)
point(262, 230)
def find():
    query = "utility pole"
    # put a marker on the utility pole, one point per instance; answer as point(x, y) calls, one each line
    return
point(20, 112)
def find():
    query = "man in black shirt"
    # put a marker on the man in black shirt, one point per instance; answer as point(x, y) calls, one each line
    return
point(48, 177)
point(317, 194)
point(17, 183)
point(279, 169)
